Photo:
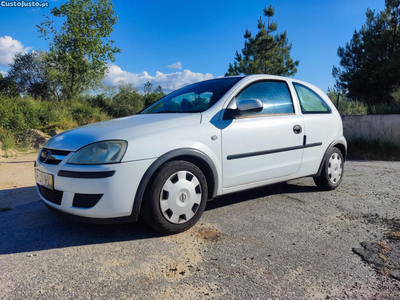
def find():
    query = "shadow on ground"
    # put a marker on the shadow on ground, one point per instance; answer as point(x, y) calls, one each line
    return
point(30, 226)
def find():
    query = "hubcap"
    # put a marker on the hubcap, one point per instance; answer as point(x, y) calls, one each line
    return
point(335, 168)
point(180, 197)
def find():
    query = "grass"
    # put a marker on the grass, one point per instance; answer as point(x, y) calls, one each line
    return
point(7, 141)
point(362, 148)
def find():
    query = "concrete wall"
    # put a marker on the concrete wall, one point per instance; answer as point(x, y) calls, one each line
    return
point(372, 126)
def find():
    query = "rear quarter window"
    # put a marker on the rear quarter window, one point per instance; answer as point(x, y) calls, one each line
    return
point(310, 101)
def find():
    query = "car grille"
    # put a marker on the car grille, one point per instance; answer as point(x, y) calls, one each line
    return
point(52, 196)
point(52, 157)
point(86, 200)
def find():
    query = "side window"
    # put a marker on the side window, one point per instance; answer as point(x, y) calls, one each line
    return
point(310, 102)
point(274, 95)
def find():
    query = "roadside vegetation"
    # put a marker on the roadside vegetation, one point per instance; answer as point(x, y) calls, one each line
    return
point(60, 89)
point(19, 114)
point(363, 148)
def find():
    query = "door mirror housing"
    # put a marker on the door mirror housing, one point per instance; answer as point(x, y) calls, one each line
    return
point(244, 107)
point(249, 106)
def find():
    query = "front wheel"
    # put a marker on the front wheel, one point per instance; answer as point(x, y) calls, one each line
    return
point(176, 198)
point(332, 172)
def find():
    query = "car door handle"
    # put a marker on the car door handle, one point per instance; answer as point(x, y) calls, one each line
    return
point(297, 129)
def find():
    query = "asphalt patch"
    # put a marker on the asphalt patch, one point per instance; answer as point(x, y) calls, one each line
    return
point(383, 256)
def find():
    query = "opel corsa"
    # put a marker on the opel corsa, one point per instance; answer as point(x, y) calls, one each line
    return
point(204, 140)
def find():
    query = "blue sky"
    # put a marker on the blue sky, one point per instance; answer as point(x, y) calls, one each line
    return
point(203, 36)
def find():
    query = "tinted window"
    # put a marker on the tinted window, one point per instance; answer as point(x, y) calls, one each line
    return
point(193, 98)
point(310, 102)
point(275, 97)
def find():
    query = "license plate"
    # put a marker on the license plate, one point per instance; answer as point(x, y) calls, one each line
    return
point(44, 179)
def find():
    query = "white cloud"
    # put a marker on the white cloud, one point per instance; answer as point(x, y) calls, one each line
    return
point(4, 74)
point(8, 48)
point(168, 82)
point(176, 65)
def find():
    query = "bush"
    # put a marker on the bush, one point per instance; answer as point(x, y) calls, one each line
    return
point(18, 114)
point(348, 107)
point(355, 108)
point(83, 113)
point(7, 139)
point(384, 109)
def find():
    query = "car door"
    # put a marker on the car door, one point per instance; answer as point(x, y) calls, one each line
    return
point(263, 145)
point(321, 124)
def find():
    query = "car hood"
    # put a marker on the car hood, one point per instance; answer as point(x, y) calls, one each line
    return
point(120, 129)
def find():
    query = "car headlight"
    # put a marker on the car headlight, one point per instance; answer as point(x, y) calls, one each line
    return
point(106, 152)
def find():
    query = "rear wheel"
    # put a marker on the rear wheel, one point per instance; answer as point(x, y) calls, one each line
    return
point(176, 197)
point(332, 172)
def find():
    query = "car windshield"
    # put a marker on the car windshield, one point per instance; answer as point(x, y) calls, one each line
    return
point(193, 98)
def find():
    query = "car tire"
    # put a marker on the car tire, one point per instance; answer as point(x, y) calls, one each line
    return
point(332, 171)
point(175, 198)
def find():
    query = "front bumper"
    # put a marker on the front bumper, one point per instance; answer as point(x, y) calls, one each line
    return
point(118, 190)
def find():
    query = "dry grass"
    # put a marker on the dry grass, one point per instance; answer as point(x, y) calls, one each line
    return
point(383, 257)
point(362, 148)
point(385, 272)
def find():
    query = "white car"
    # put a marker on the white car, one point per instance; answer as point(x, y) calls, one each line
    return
point(204, 140)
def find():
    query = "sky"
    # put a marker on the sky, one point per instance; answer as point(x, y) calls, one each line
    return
point(175, 43)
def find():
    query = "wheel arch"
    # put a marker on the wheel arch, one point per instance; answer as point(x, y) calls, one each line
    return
point(197, 157)
point(341, 145)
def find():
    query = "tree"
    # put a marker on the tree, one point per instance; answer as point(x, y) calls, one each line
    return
point(265, 53)
point(370, 62)
point(81, 48)
point(127, 102)
point(8, 87)
point(150, 96)
point(29, 73)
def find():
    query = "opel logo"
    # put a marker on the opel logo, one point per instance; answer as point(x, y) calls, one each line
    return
point(46, 155)
point(182, 197)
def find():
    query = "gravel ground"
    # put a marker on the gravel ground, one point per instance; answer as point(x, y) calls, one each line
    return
point(286, 241)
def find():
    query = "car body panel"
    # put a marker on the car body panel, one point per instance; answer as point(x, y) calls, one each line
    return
point(120, 129)
point(151, 136)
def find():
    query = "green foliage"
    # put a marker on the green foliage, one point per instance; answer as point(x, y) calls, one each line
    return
point(7, 140)
point(127, 102)
point(29, 73)
point(370, 62)
point(265, 53)
point(81, 47)
point(8, 87)
point(348, 107)
point(151, 96)
point(363, 148)
point(384, 109)
point(18, 114)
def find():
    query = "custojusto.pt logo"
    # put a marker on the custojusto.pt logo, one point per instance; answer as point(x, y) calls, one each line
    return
point(23, 4)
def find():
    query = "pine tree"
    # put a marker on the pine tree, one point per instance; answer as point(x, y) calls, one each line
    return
point(370, 62)
point(265, 52)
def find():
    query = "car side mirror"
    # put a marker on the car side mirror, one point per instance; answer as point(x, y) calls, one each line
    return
point(249, 106)
point(244, 107)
